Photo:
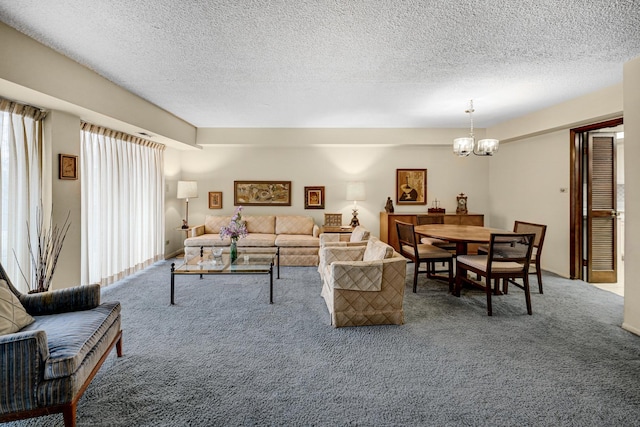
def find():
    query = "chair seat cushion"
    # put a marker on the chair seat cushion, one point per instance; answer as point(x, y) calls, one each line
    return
point(72, 335)
point(479, 262)
point(428, 252)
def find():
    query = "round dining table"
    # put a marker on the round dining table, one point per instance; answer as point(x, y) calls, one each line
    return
point(461, 235)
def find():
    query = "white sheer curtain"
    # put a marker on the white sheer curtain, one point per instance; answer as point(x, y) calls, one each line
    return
point(122, 180)
point(21, 185)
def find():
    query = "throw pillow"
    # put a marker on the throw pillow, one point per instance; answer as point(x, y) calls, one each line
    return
point(13, 316)
point(359, 234)
point(377, 251)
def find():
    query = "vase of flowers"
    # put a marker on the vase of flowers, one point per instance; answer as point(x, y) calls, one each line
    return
point(235, 230)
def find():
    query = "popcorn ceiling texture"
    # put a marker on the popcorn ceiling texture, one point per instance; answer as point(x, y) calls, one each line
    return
point(350, 63)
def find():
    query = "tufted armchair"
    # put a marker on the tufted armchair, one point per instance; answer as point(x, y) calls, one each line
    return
point(364, 285)
point(358, 237)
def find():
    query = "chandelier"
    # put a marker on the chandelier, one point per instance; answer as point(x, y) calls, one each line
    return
point(462, 147)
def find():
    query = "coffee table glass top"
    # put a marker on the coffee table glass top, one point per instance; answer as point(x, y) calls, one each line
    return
point(246, 263)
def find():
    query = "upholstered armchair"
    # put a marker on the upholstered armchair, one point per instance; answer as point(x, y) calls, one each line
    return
point(358, 237)
point(364, 285)
point(51, 346)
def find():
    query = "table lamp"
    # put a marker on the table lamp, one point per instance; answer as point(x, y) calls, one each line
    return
point(187, 190)
point(355, 192)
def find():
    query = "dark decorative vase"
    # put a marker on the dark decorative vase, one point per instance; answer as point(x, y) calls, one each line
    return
point(233, 250)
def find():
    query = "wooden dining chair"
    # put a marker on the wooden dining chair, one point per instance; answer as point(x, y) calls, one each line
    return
point(536, 254)
point(426, 219)
point(423, 253)
point(508, 258)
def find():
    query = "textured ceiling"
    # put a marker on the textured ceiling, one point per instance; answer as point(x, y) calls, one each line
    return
point(342, 63)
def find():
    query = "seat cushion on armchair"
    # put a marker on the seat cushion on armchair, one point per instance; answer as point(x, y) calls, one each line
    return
point(72, 335)
point(13, 316)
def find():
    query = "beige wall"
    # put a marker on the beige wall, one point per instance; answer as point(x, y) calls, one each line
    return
point(62, 136)
point(632, 196)
point(526, 178)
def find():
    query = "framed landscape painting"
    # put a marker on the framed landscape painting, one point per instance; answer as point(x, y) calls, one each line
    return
point(314, 197)
point(262, 193)
point(411, 186)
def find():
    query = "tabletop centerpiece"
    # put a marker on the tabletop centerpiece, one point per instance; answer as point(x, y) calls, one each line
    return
point(236, 229)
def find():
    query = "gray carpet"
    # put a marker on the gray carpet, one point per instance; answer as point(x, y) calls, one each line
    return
point(224, 356)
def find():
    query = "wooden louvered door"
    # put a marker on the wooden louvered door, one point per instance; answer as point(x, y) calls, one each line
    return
point(601, 209)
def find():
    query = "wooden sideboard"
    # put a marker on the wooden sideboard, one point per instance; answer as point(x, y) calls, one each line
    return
point(388, 233)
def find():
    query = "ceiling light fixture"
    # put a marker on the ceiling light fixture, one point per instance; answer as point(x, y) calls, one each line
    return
point(462, 147)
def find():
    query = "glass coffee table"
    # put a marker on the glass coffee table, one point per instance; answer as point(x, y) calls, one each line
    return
point(247, 263)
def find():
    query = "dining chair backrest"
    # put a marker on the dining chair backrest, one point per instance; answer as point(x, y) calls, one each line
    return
point(529, 227)
point(510, 248)
point(429, 219)
point(406, 237)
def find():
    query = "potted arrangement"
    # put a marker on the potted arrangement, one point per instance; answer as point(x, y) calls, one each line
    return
point(44, 257)
point(235, 230)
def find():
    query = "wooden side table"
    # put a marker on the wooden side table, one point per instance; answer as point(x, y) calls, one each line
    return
point(336, 229)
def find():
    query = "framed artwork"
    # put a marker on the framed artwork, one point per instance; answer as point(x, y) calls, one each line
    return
point(68, 166)
point(411, 186)
point(262, 193)
point(314, 197)
point(215, 199)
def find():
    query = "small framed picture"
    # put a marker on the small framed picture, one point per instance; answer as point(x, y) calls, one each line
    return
point(68, 166)
point(411, 186)
point(314, 197)
point(215, 199)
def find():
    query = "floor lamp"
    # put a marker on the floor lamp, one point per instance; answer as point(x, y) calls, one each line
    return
point(187, 190)
point(355, 192)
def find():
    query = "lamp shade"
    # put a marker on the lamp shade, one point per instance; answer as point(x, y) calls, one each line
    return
point(355, 190)
point(187, 189)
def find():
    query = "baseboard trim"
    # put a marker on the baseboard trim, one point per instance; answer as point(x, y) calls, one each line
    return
point(630, 328)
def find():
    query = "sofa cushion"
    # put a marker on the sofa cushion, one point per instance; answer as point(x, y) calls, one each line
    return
point(294, 224)
point(359, 234)
point(71, 336)
point(377, 250)
point(207, 240)
point(296, 240)
point(213, 223)
point(265, 224)
point(13, 316)
point(257, 240)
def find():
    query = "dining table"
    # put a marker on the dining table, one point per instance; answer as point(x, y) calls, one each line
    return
point(461, 235)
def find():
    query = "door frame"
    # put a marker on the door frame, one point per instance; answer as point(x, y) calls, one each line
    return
point(576, 229)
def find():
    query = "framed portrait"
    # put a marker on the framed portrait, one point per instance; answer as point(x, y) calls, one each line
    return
point(411, 186)
point(68, 165)
point(215, 199)
point(314, 197)
point(262, 193)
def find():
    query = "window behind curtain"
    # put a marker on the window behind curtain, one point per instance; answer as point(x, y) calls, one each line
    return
point(21, 166)
point(122, 180)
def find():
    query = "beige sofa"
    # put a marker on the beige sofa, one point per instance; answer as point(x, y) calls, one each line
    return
point(295, 235)
point(364, 285)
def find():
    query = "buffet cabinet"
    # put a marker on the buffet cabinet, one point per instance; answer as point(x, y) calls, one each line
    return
point(388, 233)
